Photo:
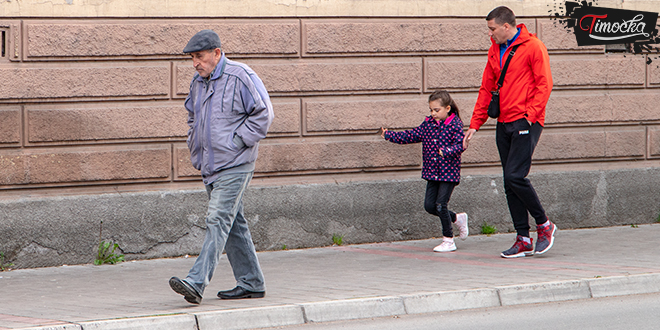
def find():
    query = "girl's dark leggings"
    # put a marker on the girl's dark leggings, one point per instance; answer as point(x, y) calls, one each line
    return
point(437, 197)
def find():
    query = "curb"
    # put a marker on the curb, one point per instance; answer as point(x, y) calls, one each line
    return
point(451, 300)
point(251, 318)
point(362, 308)
point(69, 326)
point(544, 292)
point(177, 321)
point(351, 309)
point(624, 285)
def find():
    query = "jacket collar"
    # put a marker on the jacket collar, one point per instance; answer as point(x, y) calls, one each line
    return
point(445, 122)
point(524, 36)
point(450, 118)
point(512, 40)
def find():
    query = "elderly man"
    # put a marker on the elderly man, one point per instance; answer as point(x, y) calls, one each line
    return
point(523, 96)
point(229, 111)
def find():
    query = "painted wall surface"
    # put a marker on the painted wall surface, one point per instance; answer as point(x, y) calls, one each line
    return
point(98, 102)
point(91, 92)
point(290, 8)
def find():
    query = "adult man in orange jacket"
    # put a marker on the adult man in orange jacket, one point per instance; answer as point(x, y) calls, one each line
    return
point(523, 96)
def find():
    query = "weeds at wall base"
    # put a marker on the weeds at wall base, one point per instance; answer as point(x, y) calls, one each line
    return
point(487, 229)
point(337, 239)
point(106, 255)
point(4, 266)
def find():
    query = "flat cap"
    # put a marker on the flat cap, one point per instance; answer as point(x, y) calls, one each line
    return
point(202, 40)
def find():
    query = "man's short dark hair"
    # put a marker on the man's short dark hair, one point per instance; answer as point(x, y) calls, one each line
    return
point(501, 15)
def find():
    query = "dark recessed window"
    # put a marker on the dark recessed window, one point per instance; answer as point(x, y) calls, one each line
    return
point(4, 42)
point(617, 48)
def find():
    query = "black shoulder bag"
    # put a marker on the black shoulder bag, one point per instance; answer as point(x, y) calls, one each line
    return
point(494, 106)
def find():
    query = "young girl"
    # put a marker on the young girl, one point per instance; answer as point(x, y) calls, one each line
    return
point(441, 135)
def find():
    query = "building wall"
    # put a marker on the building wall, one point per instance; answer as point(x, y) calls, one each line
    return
point(91, 105)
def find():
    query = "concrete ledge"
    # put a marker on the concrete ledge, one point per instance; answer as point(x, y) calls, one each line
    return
point(450, 300)
point(543, 292)
point(171, 322)
point(51, 231)
point(353, 309)
point(250, 318)
point(624, 285)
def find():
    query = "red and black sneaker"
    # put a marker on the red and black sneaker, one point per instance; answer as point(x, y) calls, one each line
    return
point(546, 237)
point(519, 249)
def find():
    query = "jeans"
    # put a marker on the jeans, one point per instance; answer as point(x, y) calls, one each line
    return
point(437, 197)
point(516, 142)
point(227, 228)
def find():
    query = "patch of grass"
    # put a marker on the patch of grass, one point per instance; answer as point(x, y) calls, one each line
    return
point(658, 219)
point(284, 247)
point(634, 226)
point(4, 266)
point(487, 229)
point(337, 239)
point(106, 255)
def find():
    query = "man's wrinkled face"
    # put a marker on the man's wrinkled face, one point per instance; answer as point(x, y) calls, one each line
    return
point(205, 61)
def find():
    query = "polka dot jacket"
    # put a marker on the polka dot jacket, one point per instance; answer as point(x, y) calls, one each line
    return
point(447, 136)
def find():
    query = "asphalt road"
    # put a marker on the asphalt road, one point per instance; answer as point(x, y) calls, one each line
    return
point(637, 312)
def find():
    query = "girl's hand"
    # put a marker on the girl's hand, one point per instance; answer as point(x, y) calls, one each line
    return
point(382, 132)
point(440, 152)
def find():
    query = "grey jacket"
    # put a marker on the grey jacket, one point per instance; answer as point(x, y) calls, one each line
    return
point(227, 114)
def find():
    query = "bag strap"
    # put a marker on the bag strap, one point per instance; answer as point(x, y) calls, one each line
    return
point(506, 65)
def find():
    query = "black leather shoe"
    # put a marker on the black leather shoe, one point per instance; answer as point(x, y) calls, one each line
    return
point(240, 293)
point(185, 290)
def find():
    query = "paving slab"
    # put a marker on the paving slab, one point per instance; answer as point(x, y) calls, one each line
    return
point(351, 281)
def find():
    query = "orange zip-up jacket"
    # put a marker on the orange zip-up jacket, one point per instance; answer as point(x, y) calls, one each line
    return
point(527, 84)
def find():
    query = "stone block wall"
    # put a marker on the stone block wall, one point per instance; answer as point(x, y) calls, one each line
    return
point(99, 102)
point(94, 105)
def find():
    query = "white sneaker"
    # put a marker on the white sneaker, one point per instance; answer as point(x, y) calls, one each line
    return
point(462, 223)
point(447, 245)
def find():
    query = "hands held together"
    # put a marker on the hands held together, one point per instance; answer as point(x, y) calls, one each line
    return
point(468, 136)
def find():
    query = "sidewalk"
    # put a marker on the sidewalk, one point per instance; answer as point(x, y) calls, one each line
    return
point(336, 283)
